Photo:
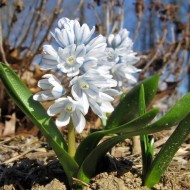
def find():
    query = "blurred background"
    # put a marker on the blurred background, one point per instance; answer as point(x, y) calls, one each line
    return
point(160, 31)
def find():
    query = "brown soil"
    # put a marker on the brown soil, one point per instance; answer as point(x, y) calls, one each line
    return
point(28, 163)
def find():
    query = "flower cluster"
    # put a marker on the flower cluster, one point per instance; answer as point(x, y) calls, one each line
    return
point(120, 53)
point(95, 67)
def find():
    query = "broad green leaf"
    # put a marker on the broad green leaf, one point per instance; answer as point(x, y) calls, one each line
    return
point(129, 105)
point(21, 95)
point(88, 170)
point(164, 157)
point(91, 141)
point(176, 114)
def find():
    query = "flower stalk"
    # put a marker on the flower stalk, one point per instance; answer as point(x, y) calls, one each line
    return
point(71, 140)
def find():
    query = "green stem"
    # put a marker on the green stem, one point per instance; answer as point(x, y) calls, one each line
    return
point(147, 148)
point(71, 140)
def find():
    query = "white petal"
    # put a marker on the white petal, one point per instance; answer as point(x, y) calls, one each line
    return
point(106, 97)
point(68, 37)
point(53, 80)
point(59, 37)
point(124, 33)
point(79, 121)
point(49, 49)
point(96, 109)
point(47, 76)
point(84, 103)
point(80, 60)
point(49, 60)
point(43, 96)
point(110, 38)
point(111, 92)
point(74, 80)
point(63, 119)
point(132, 69)
point(55, 109)
point(131, 78)
point(76, 91)
point(66, 52)
point(93, 92)
point(106, 107)
point(77, 31)
point(62, 21)
point(116, 41)
point(89, 63)
point(96, 41)
point(58, 91)
point(80, 51)
point(84, 32)
point(73, 71)
point(89, 35)
point(90, 60)
point(44, 84)
point(61, 100)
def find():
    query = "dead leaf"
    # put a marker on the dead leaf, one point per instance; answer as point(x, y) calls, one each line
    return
point(1, 128)
point(10, 126)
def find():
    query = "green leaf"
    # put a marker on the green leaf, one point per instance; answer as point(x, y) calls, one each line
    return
point(90, 142)
point(142, 104)
point(129, 105)
point(176, 114)
point(88, 167)
point(164, 157)
point(21, 95)
point(147, 148)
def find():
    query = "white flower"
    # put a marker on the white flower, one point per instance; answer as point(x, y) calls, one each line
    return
point(67, 108)
point(105, 102)
point(122, 72)
point(120, 52)
point(96, 108)
point(87, 89)
point(82, 33)
point(112, 55)
point(70, 32)
point(49, 57)
point(76, 50)
point(95, 50)
point(120, 41)
point(64, 37)
point(96, 47)
point(119, 45)
point(70, 59)
point(106, 97)
point(52, 88)
point(94, 67)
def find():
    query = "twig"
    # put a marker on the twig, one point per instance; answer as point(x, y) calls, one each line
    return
point(82, 182)
point(159, 45)
point(24, 38)
point(1, 47)
point(21, 155)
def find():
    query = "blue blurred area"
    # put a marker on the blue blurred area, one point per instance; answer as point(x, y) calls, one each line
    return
point(130, 21)
point(150, 28)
